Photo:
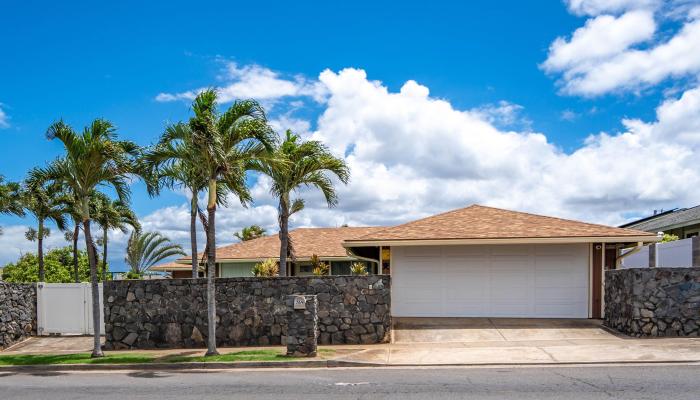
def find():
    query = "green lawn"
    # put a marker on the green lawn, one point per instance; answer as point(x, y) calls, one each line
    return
point(136, 358)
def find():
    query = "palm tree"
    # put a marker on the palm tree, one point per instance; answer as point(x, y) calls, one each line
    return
point(10, 199)
point(296, 164)
point(146, 250)
point(250, 233)
point(173, 163)
point(112, 214)
point(93, 158)
point(74, 212)
point(43, 199)
point(226, 145)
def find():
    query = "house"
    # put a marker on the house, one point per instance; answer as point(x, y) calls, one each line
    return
point(238, 259)
point(472, 262)
point(487, 262)
point(682, 222)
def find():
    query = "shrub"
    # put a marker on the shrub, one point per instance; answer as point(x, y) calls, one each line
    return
point(58, 264)
point(669, 238)
point(319, 267)
point(267, 268)
point(358, 268)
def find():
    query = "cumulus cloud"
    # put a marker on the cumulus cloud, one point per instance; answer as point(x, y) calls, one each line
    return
point(625, 53)
point(597, 7)
point(4, 119)
point(254, 81)
point(413, 155)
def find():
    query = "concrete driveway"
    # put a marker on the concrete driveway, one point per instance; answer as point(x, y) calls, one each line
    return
point(469, 330)
point(507, 341)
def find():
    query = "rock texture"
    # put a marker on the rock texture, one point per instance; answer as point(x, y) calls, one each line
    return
point(653, 301)
point(250, 311)
point(302, 327)
point(17, 313)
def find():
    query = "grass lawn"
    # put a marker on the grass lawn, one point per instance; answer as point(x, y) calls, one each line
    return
point(136, 358)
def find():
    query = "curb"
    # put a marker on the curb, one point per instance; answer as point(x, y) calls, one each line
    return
point(296, 364)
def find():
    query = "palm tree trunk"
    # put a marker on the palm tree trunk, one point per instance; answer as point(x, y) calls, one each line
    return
point(40, 250)
point(104, 255)
point(97, 348)
point(76, 232)
point(211, 270)
point(284, 236)
point(193, 235)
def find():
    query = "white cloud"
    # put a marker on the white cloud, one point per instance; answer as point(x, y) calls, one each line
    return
point(599, 38)
point(254, 81)
point(597, 7)
point(569, 115)
point(610, 54)
point(4, 119)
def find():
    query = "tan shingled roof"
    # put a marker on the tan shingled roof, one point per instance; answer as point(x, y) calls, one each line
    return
point(324, 242)
point(480, 222)
point(171, 266)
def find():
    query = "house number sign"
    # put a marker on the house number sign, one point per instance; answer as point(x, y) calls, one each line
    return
point(300, 303)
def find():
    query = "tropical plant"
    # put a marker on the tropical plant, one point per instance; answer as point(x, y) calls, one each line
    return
point(668, 237)
point(293, 165)
point(10, 202)
point(148, 249)
point(174, 163)
point(226, 144)
point(112, 214)
point(267, 268)
point(358, 268)
point(319, 268)
point(73, 211)
point(93, 158)
point(250, 233)
point(58, 267)
point(42, 198)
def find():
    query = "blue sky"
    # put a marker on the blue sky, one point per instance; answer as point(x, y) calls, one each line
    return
point(87, 60)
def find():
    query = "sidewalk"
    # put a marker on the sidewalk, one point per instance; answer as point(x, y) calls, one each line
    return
point(532, 352)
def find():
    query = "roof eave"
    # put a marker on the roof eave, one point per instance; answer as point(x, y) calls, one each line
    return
point(543, 240)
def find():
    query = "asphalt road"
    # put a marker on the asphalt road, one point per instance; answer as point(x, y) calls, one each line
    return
point(609, 382)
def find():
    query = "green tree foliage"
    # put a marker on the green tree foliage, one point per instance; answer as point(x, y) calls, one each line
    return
point(146, 250)
point(58, 267)
point(295, 164)
point(250, 233)
point(10, 202)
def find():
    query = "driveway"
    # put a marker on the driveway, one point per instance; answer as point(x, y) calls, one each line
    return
point(503, 330)
point(485, 341)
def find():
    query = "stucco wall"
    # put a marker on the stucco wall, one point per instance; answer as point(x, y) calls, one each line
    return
point(251, 311)
point(653, 301)
point(17, 313)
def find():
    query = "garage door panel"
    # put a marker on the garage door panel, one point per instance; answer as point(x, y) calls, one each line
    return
point(499, 281)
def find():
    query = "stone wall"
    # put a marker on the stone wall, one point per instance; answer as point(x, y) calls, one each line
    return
point(250, 311)
point(17, 313)
point(653, 301)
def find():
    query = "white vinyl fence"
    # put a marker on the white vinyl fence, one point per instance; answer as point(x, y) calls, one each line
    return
point(66, 308)
point(678, 253)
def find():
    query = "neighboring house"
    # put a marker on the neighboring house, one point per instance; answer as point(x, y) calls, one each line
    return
point(682, 222)
point(487, 262)
point(238, 259)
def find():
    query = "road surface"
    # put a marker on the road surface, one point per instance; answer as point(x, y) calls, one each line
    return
point(601, 382)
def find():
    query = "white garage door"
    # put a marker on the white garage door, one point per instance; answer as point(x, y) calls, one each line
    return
point(548, 281)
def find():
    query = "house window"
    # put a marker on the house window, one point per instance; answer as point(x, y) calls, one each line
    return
point(340, 268)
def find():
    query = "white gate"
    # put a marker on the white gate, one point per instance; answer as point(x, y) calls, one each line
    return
point(66, 308)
